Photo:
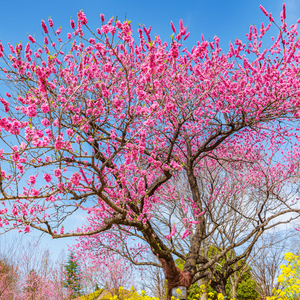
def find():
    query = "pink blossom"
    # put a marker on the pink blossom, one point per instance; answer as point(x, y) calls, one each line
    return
point(46, 141)
point(172, 233)
point(44, 27)
point(5, 103)
point(172, 26)
point(105, 29)
point(82, 18)
point(45, 108)
point(27, 229)
point(57, 173)
point(56, 122)
point(31, 39)
point(45, 122)
point(15, 156)
point(75, 179)
point(34, 192)
point(72, 23)
point(284, 11)
point(70, 132)
point(59, 144)
point(50, 22)
point(264, 10)
point(92, 41)
point(32, 179)
point(31, 110)
point(61, 186)
point(90, 139)
point(187, 35)
point(98, 47)
point(20, 168)
point(47, 177)
point(174, 50)
point(186, 233)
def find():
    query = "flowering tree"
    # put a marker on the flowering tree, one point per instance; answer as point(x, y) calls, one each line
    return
point(26, 272)
point(103, 128)
point(8, 278)
point(39, 278)
point(35, 286)
point(109, 274)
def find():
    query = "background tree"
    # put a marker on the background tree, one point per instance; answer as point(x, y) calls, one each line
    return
point(154, 282)
point(106, 127)
point(288, 279)
point(266, 259)
point(241, 285)
point(33, 287)
point(27, 272)
point(109, 273)
point(73, 276)
point(8, 280)
point(246, 287)
point(10, 270)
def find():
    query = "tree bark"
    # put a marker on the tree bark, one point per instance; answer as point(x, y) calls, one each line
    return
point(204, 282)
point(175, 277)
point(234, 290)
point(219, 284)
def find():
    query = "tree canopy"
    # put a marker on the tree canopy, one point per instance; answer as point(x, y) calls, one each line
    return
point(106, 124)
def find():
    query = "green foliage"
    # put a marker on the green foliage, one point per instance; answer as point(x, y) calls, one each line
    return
point(245, 290)
point(194, 291)
point(73, 276)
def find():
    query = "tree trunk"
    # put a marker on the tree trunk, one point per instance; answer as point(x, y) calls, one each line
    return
point(204, 282)
point(233, 290)
point(175, 276)
point(222, 290)
point(219, 285)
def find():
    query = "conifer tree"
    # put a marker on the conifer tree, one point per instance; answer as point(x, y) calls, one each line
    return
point(73, 276)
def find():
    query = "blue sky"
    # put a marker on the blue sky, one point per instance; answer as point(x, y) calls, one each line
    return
point(228, 19)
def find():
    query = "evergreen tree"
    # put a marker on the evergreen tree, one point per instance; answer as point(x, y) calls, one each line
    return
point(73, 276)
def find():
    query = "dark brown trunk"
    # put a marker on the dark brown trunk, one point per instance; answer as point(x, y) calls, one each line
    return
point(219, 285)
point(200, 231)
point(175, 277)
